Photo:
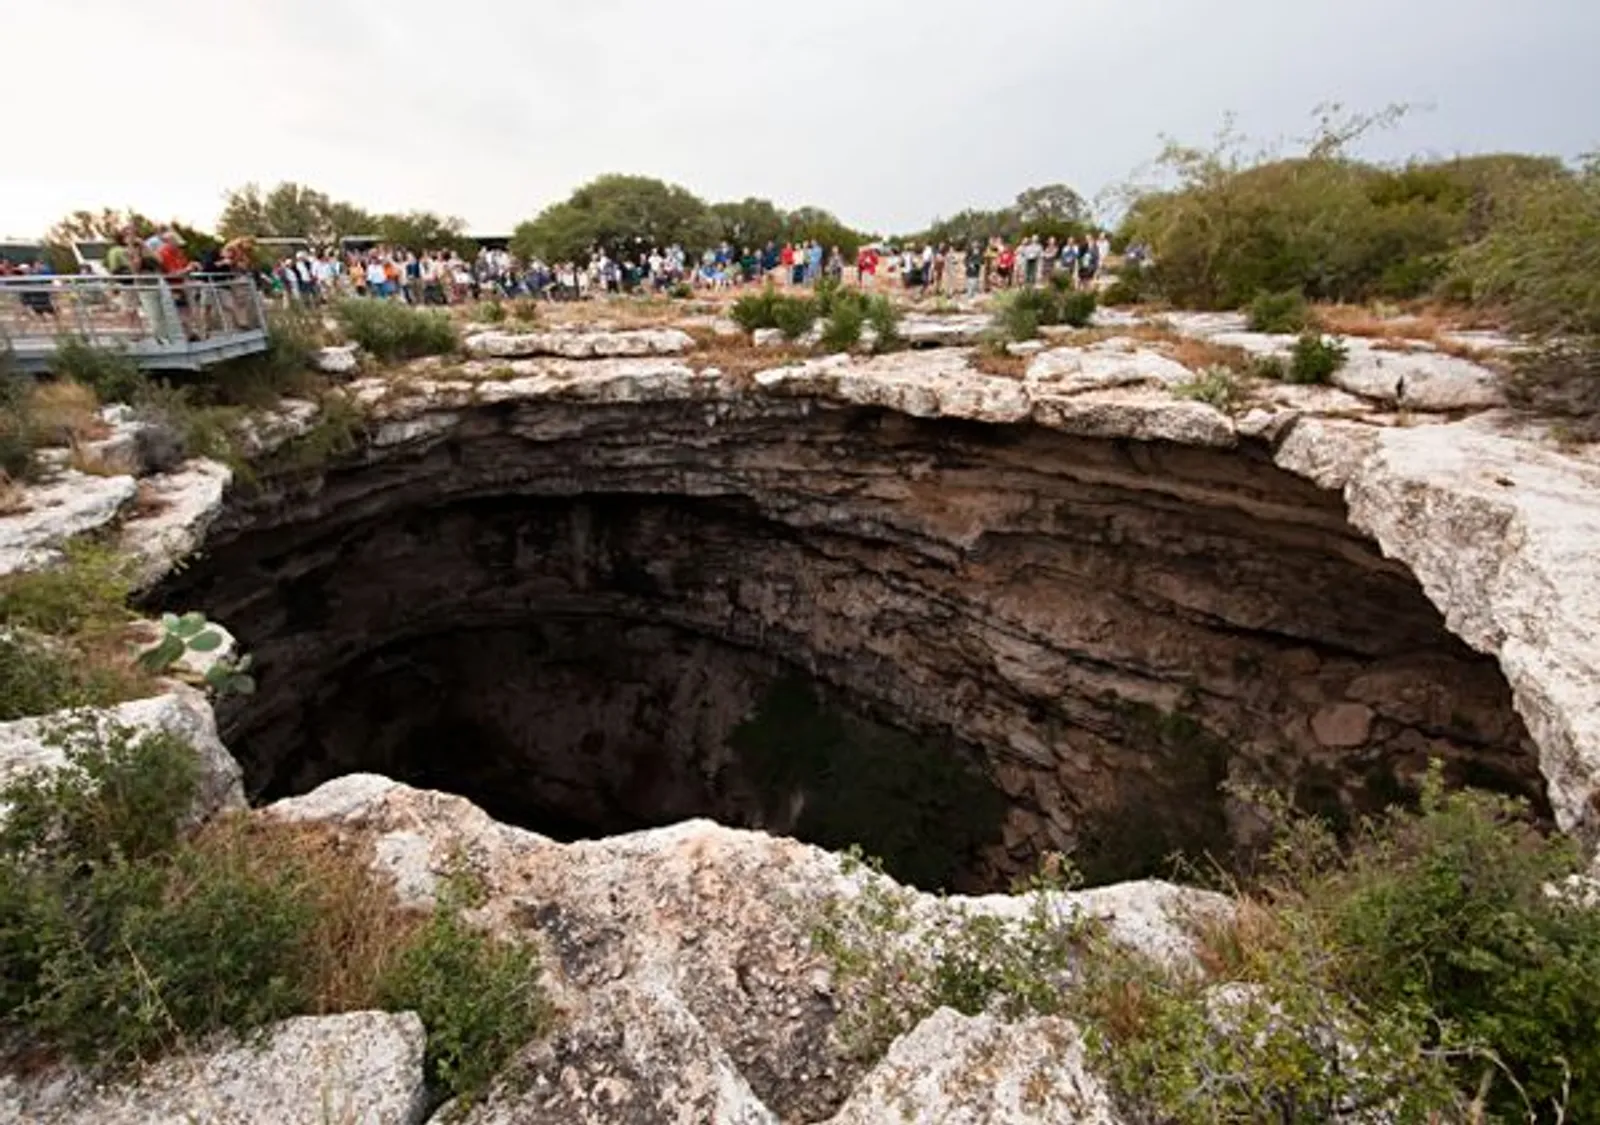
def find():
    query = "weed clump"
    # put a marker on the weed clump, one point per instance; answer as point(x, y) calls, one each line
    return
point(1280, 313)
point(793, 316)
point(1215, 386)
point(1023, 312)
point(1315, 358)
point(113, 375)
point(392, 331)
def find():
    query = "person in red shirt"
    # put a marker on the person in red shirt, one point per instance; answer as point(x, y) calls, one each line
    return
point(1005, 263)
point(175, 268)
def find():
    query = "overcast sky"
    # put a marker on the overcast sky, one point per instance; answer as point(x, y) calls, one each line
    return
point(887, 112)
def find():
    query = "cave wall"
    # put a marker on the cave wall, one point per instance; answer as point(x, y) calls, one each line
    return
point(1115, 626)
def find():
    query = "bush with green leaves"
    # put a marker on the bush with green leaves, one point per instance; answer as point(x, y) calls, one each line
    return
point(1438, 965)
point(126, 931)
point(791, 315)
point(847, 313)
point(1280, 313)
point(1021, 312)
point(1315, 358)
point(38, 676)
point(113, 375)
point(492, 312)
point(18, 434)
point(391, 330)
point(1132, 285)
point(1215, 386)
point(472, 1031)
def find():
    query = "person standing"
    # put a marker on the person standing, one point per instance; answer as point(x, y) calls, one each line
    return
point(973, 260)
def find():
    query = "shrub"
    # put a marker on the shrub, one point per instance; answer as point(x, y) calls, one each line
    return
point(492, 312)
point(842, 330)
point(1315, 358)
point(390, 330)
point(86, 592)
point(1429, 970)
point(1023, 311)
point(525, 311)
point(472, 1031)
point(885, 321)
point(1132, 285)
point(122, 934)
point(37, 677)
point(793, 316)
point(18, 432)
point(1279, 313)
point(1215, 386)
point(113, 375)
point(680, 291)
point(1271, 367)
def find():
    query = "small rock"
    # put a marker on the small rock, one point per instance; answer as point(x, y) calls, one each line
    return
point(1342, 725)
point(337, 359)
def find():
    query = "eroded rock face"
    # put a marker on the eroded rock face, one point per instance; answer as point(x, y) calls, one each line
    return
point(360, 1067)
point(589, 597)
point(681, 962)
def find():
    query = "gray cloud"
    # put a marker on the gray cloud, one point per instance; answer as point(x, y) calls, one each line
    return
point(885, 111)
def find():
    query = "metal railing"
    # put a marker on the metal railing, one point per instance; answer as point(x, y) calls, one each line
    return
point(154, 318)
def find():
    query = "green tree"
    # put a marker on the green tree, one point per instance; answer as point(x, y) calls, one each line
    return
point(749, 222)
point(291, 210)
point(618, 214)
point(422, 230)
point(1051, 204)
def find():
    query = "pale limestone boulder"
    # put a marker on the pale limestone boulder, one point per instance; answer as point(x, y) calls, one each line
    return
point(768, 338)
point(580, 344)
point(27, 745)
point(632, 1054)
point(977, 1070)
point(266, 430)
point(1110, 363)
point(680, 957)
point(922, 331)
point(360, 1068)
point(176, 510)
point(1417, 380)
point(337, 359)
point(69, 504)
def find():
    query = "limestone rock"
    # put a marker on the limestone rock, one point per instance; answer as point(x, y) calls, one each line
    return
point(919, 330)
point(977, 1070)
point(630, 1055)
point(266, 430)
point(68, 505)
point(768, 338)
point(680, 956)
point(1110, 363)
point(337, 359)
point(1417, 380)
point(360, 1067)
point(177, 509)
point(580, 344)
point(26, 745)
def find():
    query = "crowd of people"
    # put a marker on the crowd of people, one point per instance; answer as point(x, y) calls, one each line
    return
point(446, 277)
point(449, 277)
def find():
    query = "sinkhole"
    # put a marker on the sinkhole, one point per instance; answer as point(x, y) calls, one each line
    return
point(956, 646)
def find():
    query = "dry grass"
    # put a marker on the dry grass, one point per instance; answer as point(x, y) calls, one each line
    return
point(13, 497)
point(359, 927)
point(147, 502)
point(1000, 363)
point(1198, 355)
point(736, 357)
point(64, 412)
point(1232, 944)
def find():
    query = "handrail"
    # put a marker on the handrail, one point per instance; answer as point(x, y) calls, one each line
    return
point(146, 313)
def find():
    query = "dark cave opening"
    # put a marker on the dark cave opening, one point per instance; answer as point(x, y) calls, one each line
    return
point(1038, 644)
